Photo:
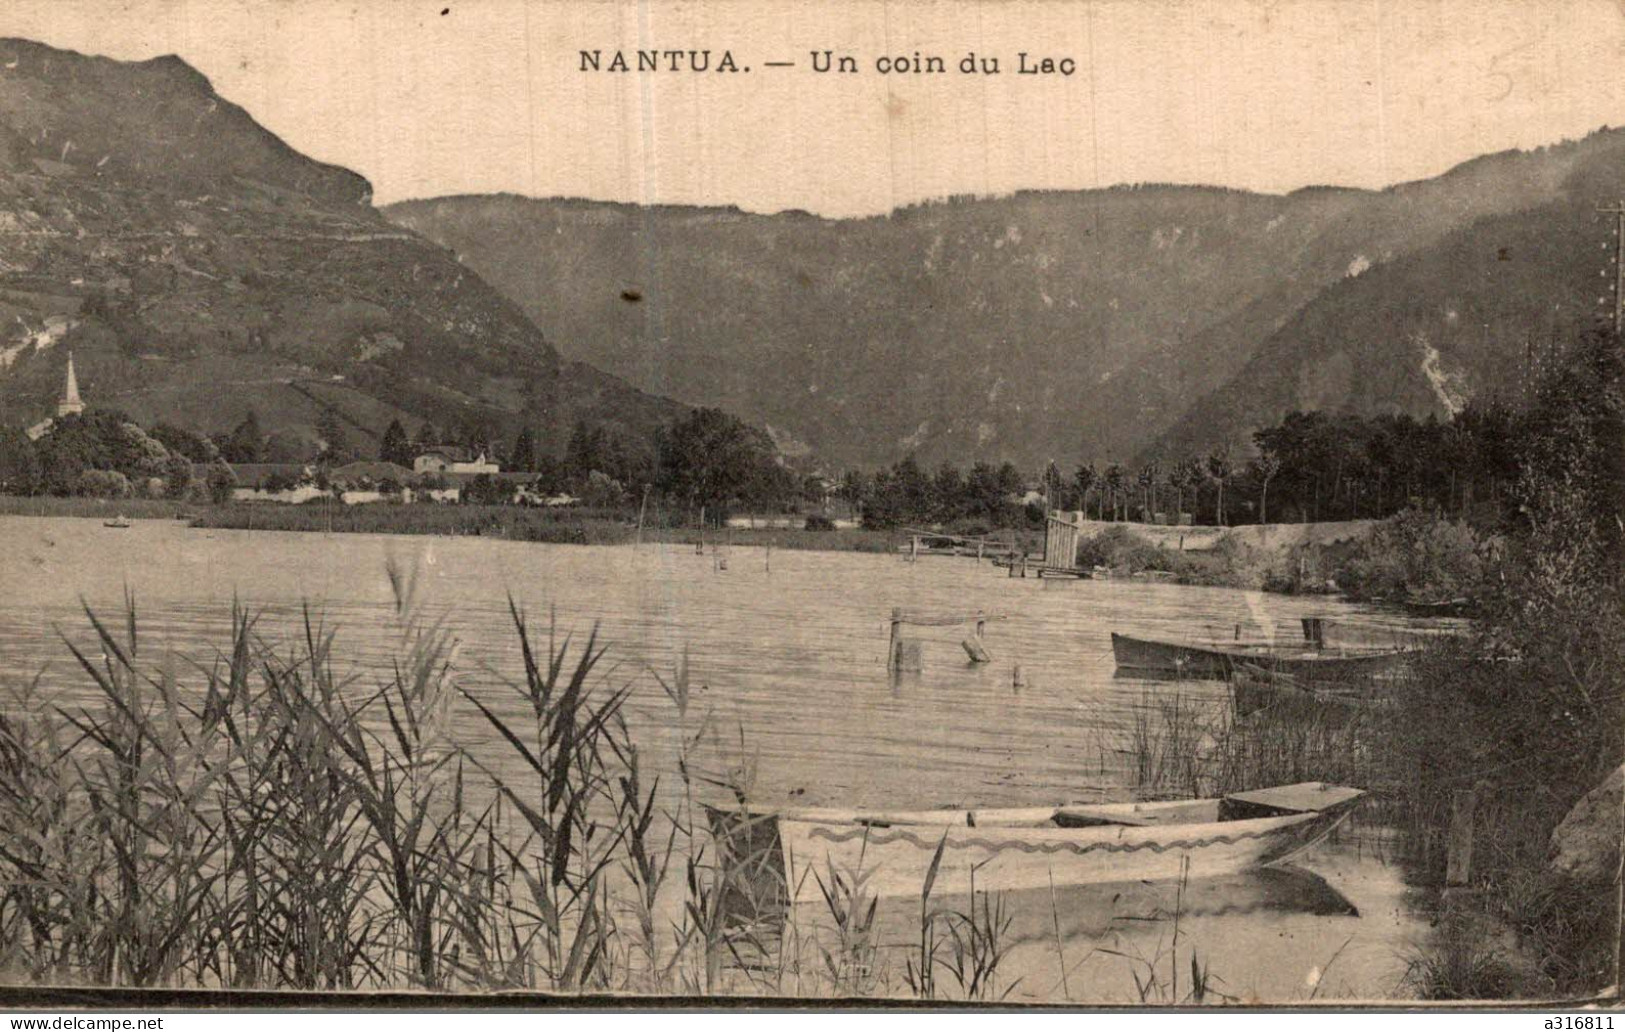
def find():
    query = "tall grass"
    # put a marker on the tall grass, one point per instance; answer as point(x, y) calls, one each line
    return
point(1179, 744)
point(270, 818)
point(264, 820)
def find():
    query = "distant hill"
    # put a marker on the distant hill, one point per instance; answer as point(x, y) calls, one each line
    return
point(199, 267)
point(1475, 315)
point(1057, 325)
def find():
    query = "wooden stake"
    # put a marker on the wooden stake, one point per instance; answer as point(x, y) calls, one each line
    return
point(1459, 859)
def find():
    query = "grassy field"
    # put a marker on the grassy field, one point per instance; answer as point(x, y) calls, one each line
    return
point(95, 508)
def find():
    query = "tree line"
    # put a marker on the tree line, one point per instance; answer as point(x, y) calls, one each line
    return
point(707, 461)
point(1310, 466)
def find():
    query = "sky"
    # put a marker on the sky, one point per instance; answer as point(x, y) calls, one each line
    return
point(474, 96)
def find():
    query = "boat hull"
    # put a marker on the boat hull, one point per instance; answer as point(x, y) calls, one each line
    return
point(1011, 859)
point(797, 855)
point(1170, 659)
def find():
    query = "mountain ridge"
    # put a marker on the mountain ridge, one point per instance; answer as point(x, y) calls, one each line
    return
point(199, 267)
point(932, 328)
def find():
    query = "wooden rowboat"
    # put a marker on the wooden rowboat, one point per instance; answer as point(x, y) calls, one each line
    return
point(1032, 848)
point(1149, 658)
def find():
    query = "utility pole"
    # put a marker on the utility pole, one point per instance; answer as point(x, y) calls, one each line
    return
point(1618, 212)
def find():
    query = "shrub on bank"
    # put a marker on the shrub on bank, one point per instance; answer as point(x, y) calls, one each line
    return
point(103, 483)
point(1418, 556)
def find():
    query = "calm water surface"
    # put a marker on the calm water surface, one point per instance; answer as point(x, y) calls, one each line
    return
point(790, 651)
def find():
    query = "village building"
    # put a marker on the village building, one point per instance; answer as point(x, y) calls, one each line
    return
point(446, 459)
point(70, 404)
point(371, 473)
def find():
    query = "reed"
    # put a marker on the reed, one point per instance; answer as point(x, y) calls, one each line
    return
point(273, 817)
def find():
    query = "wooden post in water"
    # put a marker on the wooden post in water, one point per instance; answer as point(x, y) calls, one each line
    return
point(643, 505)
point(978, 549)
point(1459, 859)
point(901, 655)
point(913, 548)
point(974, 647)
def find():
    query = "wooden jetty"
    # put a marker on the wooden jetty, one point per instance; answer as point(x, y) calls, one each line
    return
point(932, 542)
point(1061, 533)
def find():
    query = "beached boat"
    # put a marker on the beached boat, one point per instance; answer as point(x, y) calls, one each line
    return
point(119, 522)
point(1031, 848)
point(1149, 658)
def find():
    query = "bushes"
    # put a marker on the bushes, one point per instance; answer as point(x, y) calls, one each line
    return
point(1121, 550)
point(221, 482)
point(177, 476)
point(1418, 556)
point(102, 483)
point(819, 522)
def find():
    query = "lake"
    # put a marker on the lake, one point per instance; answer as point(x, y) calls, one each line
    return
point(790, 649)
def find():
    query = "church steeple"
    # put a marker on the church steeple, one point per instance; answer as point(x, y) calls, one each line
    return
point(70, 404)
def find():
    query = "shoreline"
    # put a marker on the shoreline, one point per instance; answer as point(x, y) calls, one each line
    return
point(1251, 556)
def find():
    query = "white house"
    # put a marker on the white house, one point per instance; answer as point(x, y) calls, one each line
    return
point(453, 460)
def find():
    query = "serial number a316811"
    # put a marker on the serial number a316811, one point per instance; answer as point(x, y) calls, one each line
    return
point(1581, 1023)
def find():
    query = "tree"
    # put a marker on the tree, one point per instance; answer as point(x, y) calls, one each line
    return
point(1053, 483)
point(1150, 474)
point(103, 483)
point(1085, 478)
point(602, 491)
point(1266, 467)
point(137, 455)
point(583, 452)
point(1116, 479)
point(428, 436)
point(523, 458)
point(708, 458)
point(854, 490)
point(246, 442)
point(1218, 468)
point(94, 439)
point(394, 447)
point(221, 481)
point(983, 496)
point(335, 446)
point(19, 463)
point(948, 493)
point(177, 476)
point(185, 442)
point(485, 489)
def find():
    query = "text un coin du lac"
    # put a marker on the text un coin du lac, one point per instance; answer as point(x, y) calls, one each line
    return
point(827, 62)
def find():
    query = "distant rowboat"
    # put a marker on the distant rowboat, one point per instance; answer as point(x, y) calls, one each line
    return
point(119, 522)
point(1033, 848)
point(1152, 658)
